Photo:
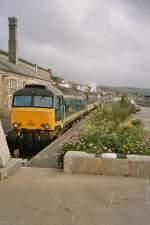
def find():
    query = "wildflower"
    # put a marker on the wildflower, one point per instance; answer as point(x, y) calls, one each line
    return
point(109, 150)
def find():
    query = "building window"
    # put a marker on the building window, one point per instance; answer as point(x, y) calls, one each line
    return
point(24, 83)
point(36, 68)
point(12, 89)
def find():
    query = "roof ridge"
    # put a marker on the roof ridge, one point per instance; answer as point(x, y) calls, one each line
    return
point(23, 60)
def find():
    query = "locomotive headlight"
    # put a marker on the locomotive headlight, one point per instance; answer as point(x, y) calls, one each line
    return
point(15, 125)
point(46, 126)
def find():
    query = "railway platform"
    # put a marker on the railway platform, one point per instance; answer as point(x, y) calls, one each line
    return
point(35, 196)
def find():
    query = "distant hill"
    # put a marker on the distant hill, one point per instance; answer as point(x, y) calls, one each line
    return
point(128, 90)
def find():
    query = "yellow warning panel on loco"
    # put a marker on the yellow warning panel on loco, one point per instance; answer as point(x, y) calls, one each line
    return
point(33, 118)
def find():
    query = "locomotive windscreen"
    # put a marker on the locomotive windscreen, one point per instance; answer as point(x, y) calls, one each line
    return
point(33, 101)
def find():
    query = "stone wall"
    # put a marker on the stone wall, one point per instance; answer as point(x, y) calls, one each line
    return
point(9, 83)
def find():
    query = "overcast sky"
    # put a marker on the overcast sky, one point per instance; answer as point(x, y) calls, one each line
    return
point(107, 41)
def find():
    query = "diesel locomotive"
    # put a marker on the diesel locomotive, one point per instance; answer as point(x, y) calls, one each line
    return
point(40, 112)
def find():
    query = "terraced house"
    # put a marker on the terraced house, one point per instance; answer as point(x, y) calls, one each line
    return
point(15, 72)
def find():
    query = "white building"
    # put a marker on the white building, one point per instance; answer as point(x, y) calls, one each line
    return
point(91, 86)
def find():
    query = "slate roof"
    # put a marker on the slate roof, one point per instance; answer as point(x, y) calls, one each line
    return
point(19, 69)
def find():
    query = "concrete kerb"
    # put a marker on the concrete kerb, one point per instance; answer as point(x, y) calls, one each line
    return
point(12, 166)
point(8, 165)
point(4, 151)
point(85, 163)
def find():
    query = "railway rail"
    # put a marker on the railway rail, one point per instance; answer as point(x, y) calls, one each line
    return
point(48, 157)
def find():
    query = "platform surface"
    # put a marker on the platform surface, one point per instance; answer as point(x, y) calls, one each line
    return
point(34, 196)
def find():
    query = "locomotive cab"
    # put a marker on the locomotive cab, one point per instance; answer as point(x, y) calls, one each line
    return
point(31, 106)
point(33, 113)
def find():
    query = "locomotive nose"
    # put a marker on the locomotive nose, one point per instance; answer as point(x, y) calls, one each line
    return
point(33, 119)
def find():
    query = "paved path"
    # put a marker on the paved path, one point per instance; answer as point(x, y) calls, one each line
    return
point(36, 196)
point(144, 115)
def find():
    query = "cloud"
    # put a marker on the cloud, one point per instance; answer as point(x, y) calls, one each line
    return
point(106, 41)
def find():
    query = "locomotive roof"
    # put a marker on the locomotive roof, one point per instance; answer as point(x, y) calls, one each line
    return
point(71, 92)
point(39, 90)
point(49, 90)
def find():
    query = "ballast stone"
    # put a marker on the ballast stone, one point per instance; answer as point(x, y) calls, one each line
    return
point(4, 151)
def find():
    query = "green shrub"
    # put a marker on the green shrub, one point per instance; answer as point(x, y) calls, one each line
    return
point(137, 122)
point(113, 113)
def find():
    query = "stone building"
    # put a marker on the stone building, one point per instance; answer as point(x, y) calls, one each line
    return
point(15, 72)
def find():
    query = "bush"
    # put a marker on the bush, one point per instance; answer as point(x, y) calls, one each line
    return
point(137, 122)
point(113, 113)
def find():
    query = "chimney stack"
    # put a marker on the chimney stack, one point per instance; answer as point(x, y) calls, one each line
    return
point(13, 45)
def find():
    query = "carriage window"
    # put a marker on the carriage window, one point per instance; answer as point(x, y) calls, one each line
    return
point(57, 102)
point(61, 101)
point(23, 100)
point(43, 101)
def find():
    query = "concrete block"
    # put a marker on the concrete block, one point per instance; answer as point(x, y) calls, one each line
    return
point(68, 162)
point(72, 163)
point(93, 166)
point(134, 168)
point(139, 168)
point(78, 165)
point(81, 162)
point(144, 169)
point(120, 167)
point(4, 151)
point(107, 167)
point(138, 157)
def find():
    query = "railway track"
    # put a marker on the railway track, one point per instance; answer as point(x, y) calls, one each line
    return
point(48, 157)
